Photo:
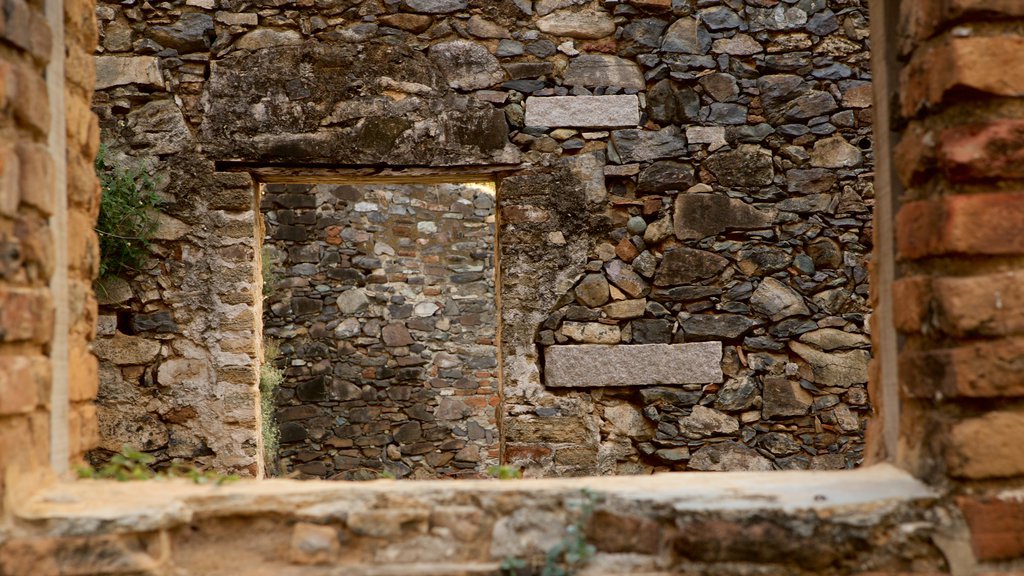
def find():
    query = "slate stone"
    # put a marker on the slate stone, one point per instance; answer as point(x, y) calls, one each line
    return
point(812, 104)
point(435, 6)
point(810, 181)
point(784, 397)
point(685, 293)
point(763, 260)
point(664, 176)
point(593, 70)
point(622, 276)
point(721, 87)
point(823, 23)
point(829, 339)
point(396, 334)
point(314, 390)
point(729, 457)
point(593, 112)
point(718, 326)
point(162, 322)
point(727, 114)
point(700, 215)
point(777, 300)
point(738, 395)
point(686, 265)
point(687, 36)
point(651, 331)
point(777, 90)
point(193, 32)
point(825, 253)
point(720, 18)
point(806, 204)
point(645, 145)
point(749, 165)
point(669, 397)
point(838, 369)
point(520, 70)
point(632, 365)
point(467, 65)
point(667, 103)
point(780, 444)
point(705, 422)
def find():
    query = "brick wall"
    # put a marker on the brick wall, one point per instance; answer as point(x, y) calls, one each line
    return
point(29, 241)
point(958, 299)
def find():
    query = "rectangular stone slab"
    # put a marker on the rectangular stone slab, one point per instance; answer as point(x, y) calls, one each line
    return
point(619, 111)
point(589, 365)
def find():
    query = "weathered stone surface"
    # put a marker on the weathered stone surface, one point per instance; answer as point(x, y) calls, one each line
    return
point(841, 369)
point(193, 32)
point(829, 339)
point(591, 332)
point(784, 397)
point(687, 265)
point(729, 457)
point(634, 365)
point(625, 309)
point(124, 70)
point(466, 64)
point(583, 111)
point(664, 176)
point(701, 215)
point(603, 70)
point(668, 103)
point(126, 350)
point(622, 276)
point(777, 300)
point(583, 24)
point(686, 35)
point(720, 326)
point(435, 6)
point(749, 165)
point(263, 38)
point(352, 301)
point(592, 291)
point(835, 152)
point(704, 422)
point(739, 394)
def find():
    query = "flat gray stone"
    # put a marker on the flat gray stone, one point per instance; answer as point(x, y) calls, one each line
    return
point(467, 65)
point(122, 71)
point(619, 111)
point(574, 366)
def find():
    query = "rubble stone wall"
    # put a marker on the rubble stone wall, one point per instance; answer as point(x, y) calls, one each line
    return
point(382, 307)
point(669, 173)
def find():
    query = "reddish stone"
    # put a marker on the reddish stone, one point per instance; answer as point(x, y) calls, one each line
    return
point(983, 151)
point(332, 235)
point(984, 224)
point(997, 526)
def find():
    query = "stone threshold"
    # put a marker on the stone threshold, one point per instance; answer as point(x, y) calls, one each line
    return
point(90, 507)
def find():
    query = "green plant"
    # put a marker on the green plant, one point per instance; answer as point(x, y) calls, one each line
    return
point(127, 219)
point(131, 464)
point(504, 472)
point(270, 378)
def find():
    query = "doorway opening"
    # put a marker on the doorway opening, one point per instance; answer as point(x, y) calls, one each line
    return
point(380, 330)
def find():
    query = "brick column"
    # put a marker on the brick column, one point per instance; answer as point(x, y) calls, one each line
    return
point(959, 241)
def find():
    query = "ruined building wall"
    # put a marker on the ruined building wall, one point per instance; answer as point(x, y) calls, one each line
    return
point(673, 172)
point(31, 235)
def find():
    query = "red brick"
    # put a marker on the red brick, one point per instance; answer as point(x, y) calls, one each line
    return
point(997, 526)
point(914, 155)
point(919, 20)
point(25, 314)
point(993, 150)
point(989, 305)
point(981, 370)
point(981, 224)
point(987, 447)
point(994, 65)
point(911, 298)
point(23, 380)
point(37, 177)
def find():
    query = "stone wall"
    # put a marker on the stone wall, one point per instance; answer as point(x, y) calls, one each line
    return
point(669, 174)
point(381, 302)
point(38, 327)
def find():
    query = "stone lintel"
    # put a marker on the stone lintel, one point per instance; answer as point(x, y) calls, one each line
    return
point(618, 111)
point(589, 365)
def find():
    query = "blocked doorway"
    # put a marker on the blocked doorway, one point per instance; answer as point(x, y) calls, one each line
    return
point(380, 317)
